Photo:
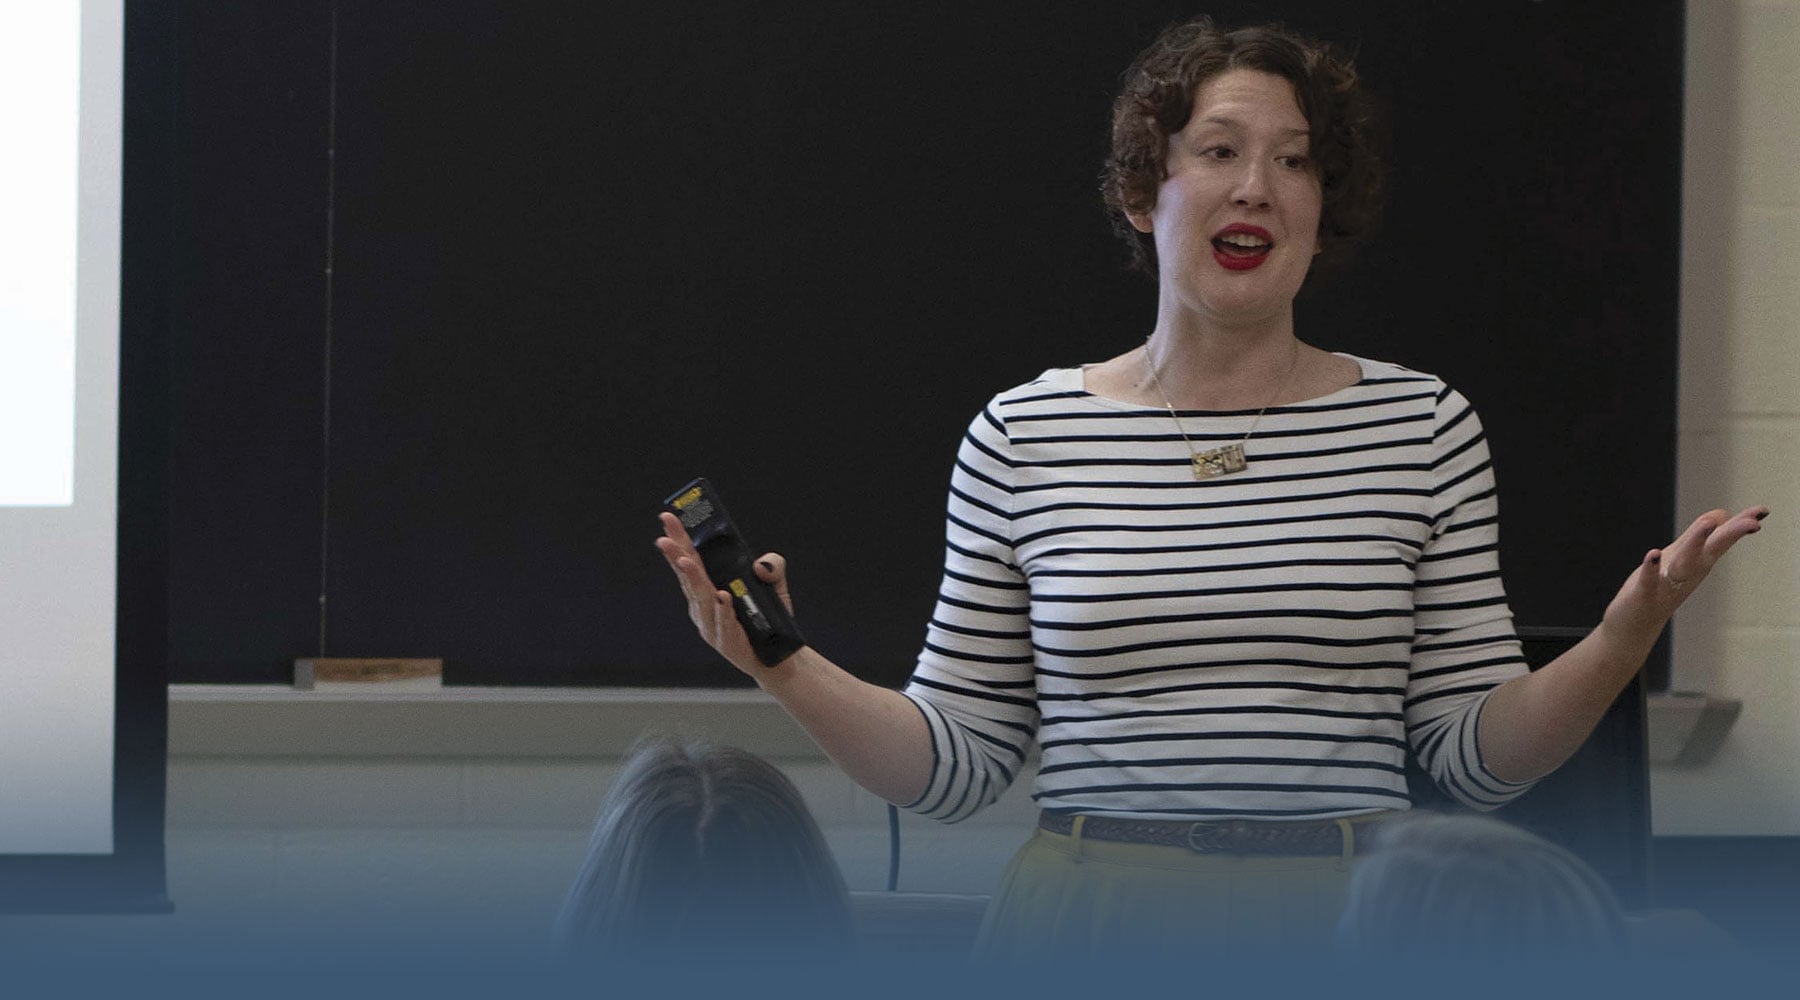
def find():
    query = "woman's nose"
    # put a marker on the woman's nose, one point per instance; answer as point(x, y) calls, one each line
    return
point(1252, 188)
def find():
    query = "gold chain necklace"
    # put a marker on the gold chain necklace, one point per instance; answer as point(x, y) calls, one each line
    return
point(1229, 459)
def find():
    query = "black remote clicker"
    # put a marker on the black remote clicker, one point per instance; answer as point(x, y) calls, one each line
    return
point(728, 561)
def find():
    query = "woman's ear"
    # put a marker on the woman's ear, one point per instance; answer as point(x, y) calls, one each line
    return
point(1140, 220)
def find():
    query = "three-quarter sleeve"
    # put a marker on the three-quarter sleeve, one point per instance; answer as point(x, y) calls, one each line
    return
point(1463, 641)
point(974, 682)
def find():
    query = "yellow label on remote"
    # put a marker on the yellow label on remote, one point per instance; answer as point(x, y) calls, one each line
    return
point(738, 589)
point(689, 497)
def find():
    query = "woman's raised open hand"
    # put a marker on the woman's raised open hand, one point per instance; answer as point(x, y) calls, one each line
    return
point(1668, 575)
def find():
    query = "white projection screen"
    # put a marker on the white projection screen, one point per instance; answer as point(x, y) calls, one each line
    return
point(61, 79)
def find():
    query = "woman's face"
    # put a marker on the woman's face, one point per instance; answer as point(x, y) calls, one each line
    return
point(1236, 219)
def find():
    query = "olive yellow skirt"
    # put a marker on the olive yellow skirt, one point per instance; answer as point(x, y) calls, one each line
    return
point(1073, 897)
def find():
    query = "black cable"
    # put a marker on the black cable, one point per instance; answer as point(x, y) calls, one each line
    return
point(893, 848)
point(330, 310)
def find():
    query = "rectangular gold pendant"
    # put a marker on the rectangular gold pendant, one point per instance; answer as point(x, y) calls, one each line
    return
point(1220, 462)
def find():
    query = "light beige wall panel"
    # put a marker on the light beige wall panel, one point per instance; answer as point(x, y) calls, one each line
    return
point(1747, 790)
point(1760, 668)
point(1739, 439)
point(509, 881)
point(1751, 786)
point(1759, 583)
point(535, 794)
point(828, 793)
point(277, 793)
point(1768, 80)
point(1763, 317)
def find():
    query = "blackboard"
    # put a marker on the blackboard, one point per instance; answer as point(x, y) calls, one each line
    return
point(581, 253)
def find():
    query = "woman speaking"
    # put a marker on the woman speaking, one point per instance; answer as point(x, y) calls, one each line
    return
point(1225, 580)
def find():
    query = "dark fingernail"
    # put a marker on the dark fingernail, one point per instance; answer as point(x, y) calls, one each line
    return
point(1762, 515)
point(765, 564)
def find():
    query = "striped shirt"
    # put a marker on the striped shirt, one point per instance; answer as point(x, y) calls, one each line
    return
point(1265, 644)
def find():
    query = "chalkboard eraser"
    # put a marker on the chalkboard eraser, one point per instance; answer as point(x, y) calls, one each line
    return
point(386, 672)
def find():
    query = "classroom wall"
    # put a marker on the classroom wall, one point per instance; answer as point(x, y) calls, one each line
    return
point(1739, 440)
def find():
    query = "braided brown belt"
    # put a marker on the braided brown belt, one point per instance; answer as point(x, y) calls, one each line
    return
point(1227, 837)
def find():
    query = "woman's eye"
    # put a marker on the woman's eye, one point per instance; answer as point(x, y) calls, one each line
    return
point(1218, 152)
point(1295, 162)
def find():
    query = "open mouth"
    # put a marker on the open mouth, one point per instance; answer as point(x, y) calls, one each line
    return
point(1238, 247)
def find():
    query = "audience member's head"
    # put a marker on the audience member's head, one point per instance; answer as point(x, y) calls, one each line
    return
point(1471, 887)
point(701, 849)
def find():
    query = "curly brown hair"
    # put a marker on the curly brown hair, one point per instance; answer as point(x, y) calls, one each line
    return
point(1158, 98)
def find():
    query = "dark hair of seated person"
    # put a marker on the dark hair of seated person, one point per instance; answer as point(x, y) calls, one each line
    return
point(705, 850)
point(1465, 887)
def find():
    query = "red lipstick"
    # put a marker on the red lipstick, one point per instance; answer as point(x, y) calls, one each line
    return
point(1242, 254)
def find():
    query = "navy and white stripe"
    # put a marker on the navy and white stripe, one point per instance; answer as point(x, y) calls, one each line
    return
point(1259, 645)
